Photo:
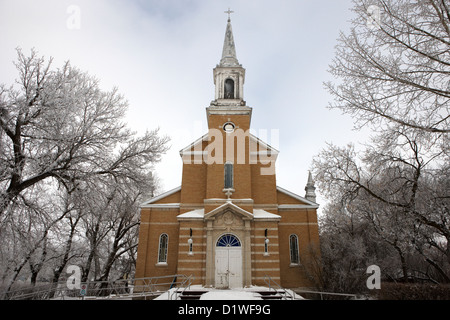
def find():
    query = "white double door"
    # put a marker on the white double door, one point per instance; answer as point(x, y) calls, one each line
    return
point(228, 267)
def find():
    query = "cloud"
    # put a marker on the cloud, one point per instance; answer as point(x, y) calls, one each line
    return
point(160, 54)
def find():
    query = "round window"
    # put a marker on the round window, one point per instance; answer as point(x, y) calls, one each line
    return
point(228, 127)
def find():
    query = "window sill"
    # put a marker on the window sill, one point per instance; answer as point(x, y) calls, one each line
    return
point(294, 265)
point(161, 264)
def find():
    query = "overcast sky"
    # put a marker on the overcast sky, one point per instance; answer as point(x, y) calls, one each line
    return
point(161, 55)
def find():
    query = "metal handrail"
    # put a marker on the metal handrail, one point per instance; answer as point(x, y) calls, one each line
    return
point(283, 291)
point(121, 288)
point(321, 293)
point(183, 285)
point(132, 288)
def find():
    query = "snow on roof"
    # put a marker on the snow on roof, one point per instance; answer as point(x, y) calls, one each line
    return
point(161, 196)
point(196, 214)
point(262, 214)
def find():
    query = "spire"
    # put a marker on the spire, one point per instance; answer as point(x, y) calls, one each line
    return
point(229, 51)
point(229, 76)
point(310, 189)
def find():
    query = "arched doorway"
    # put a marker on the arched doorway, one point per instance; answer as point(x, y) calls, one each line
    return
point(228, 262)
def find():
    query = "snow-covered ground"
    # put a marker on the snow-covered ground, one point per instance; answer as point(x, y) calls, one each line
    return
point(225, 294)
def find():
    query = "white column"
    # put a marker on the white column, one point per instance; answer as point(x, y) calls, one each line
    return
point(210, 268)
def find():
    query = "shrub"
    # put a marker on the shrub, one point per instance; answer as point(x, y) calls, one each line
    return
point(413, 291)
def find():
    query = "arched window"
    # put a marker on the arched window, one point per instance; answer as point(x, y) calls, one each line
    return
point(228, 175)
point(228, 240)
point(163, 244)
point(229, 89)
point(293, 249)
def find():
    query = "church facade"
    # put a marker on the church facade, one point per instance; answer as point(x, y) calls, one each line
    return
point(229, 224)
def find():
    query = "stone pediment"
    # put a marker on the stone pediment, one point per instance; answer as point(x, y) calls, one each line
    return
point(259, 147)
point(228, 207)
point(220, 214)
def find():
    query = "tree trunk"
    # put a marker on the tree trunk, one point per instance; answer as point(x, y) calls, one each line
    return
point(403, 262)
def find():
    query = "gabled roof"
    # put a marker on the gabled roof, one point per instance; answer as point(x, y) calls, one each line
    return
point(307, 202)
point(229, 206)
point(264, 144)
point(193, 144)
point(194, 214)
point(199, 214)
point(161, 196)
point(263, 214)
point(190, 149)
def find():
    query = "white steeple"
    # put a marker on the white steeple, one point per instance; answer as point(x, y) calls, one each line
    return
point(229, 58)
point(310, 189)
point(229, 76)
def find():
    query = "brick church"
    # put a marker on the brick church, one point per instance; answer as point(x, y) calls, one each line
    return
point(229, 225)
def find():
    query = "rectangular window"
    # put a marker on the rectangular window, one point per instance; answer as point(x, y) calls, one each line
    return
point(228, 175)
point(266, 243)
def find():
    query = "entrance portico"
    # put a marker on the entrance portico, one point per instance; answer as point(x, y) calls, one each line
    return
point(228, 219)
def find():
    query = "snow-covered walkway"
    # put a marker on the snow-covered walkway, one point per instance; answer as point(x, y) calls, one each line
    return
point(250, 293)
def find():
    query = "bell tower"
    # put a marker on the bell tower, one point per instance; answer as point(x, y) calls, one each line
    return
point(229, 75)
point(228, 123)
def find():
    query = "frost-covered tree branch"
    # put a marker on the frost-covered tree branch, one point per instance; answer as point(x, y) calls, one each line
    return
point(399, 185)
point(398, 71)
point(59, 124)
point(71, 174)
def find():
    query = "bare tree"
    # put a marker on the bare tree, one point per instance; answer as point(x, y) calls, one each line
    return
point(124, 231)
point(60, 125)
point(392, 73)
point(392, 186)
point(31, 227)
point(72, 202)
point(394, 65)
point(111, 226)
point(64, 148)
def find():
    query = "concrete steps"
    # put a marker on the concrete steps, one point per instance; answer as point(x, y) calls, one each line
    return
point(264, 294)
point(270, 295)
point(192, 294)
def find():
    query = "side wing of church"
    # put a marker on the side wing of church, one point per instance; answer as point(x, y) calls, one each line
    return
point(229, 224)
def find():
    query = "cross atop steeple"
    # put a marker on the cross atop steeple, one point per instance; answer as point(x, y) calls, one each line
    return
point(229, 12)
